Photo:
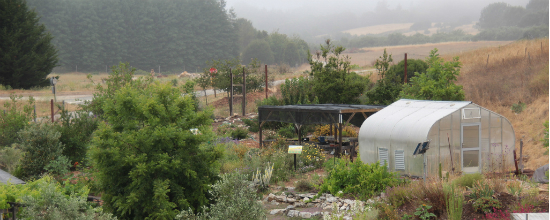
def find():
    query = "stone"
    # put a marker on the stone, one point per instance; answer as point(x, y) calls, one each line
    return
point(280, 198)
point(276, 211)
point(322, 197)
point(290, 188)
point(271, 197)
point(274, 202)
point(347, 218)
point(283, 194)
point(290, 200)
point(305, 214)
point(299, 204)
point(290, 207)
point(293, 213)
point(331, 199)
point(315, 214)
point(306, 200)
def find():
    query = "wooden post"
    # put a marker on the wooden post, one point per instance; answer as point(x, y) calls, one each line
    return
point(260, 128)
point(231, 94)
point(244, 92)
point(487, 61)
point(51, 104)
point(340, 137)
point(521, 155)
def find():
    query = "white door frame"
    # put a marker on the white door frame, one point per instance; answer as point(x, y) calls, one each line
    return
point(462, 125)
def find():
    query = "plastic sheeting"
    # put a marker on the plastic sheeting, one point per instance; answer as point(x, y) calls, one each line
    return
point(5, 177)
point(405, 123)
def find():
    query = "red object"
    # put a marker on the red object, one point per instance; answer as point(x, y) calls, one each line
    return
point(213, 70)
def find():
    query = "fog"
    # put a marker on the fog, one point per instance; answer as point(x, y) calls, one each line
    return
point(309, 18)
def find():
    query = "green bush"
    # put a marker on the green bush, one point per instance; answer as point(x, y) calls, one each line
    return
point(287, 131)
point(41, 145)
point(252, 124)
point(518, 107)
point(234, 199)
point(10, 157)
point(76, 133)
point(239, 133)
point(16, 117)
point(486, 204)
point(361, 180)
point(150, 165)
point(454, 199)
point(468, 180)
point(303, 186)
point(481, 189)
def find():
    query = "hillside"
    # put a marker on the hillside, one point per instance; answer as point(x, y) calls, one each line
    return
point(498, 77)
point(404, 28)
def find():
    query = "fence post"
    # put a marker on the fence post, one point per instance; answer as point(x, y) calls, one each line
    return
point(51, 104)
point(34, 113)
point(231, 94)
point(244, 92)
point(266, 80)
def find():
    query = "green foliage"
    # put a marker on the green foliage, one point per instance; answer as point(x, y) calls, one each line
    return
point(303, 185)
point(332, 81)
point(15, 118)
point(387, 88)
point(261, 180)
point(438, 83)
point(361, 180)
point(481, 189)
point(422, 212)
point(486, 204)
point(58, 166)
point(413, 66)
point(9, 157)
point(41, 146)
point(298, 91)
point(454, 199)
point(252, 124)
point(149, 162)
point(239, 133)
point(234, 199)
point(287, 131)
point(468, 180)
point(258, 49)
point(518, 107)
point(382, 64)
point(76, 130)
point(24, 40)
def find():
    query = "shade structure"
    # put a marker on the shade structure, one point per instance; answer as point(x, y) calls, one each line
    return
point(6, 177)
point(461, 135)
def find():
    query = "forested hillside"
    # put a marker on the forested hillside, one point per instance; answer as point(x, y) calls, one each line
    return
point(173, 34)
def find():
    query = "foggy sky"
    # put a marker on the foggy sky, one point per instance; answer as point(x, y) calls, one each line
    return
point(305, 17)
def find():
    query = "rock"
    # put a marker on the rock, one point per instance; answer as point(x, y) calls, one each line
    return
point(343, 208)
point(293, 213)
point(274, 202)
point(280, 198)
point(290, 207)
point(539, 176)
point(290, 188)
point(271, 197)
point(331, 199)
point(322, 197)
point(306, 200)
point(283, 194)
point(276, 211)
point(290, 200)
point(305, 214)
point(299, 204)
point(347, 218)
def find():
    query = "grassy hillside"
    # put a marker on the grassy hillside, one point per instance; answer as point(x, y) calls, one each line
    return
point(498, 77)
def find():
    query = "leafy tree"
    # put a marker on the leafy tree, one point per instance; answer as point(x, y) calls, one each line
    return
point(150, 164)
point(492, 16)
point(297, 91)
point(258, 49)
point(387, 88)
point(76, 133)
point(15, 118)
point(438, 83)
point(413, 66)
point(332, 80)
point(26, 53)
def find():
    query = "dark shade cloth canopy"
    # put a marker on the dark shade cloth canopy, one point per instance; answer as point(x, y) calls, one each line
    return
point(6, 177)
point(317, 113)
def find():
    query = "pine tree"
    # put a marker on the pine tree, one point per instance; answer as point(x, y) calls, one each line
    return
point(26, 53)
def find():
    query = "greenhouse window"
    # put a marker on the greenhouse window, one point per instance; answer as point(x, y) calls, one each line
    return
point(383, 155)
point(399, 160)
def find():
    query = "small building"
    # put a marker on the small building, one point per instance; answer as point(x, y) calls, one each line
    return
point(475, 139)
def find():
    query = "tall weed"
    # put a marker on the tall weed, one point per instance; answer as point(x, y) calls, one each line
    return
point(454, 200)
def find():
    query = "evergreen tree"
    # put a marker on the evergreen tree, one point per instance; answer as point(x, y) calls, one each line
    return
point(26, 55)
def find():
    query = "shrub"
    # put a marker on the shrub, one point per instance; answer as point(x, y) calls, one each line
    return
point(361, 180)
point(518, 107)
point(454, 200)
point(58, 166)
point(303, 186)
point(481, 189)
point(41, 145)
point(402, 194)
point(433, 193)
point(76, 133)
point(150, 164)
point(261, 181)
point(423, 213)
point(252, 124)
point(234, 199)
point(9, 157)
point(468, 180)
point(486, 204)
point(15, 118)
point(312, 156)
point(239, 133)
point(287, 131)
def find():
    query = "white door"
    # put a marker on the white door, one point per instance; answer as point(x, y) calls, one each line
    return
point(470, 141)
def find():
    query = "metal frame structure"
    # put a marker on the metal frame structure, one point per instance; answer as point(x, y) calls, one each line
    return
point(316, 114)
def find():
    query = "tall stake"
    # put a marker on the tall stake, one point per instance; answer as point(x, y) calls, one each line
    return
point(51, 102)
point(451, 153)
point(266, 81)
point(231, 94)
point(405, 68)
point(244, 92)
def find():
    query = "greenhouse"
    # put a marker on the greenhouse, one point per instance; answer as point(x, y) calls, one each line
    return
point(462, 136)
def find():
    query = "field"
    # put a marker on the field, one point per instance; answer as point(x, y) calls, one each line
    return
point(404, 28)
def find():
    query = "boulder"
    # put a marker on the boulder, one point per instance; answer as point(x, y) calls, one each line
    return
point(293, 213)
point(276, 211)
point(540, 174)
point(305, 214)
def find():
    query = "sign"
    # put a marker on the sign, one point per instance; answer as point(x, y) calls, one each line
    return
point(213, 70)
point(295, 149)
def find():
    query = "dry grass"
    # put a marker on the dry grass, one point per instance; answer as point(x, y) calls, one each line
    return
point(379, 29)
point(514, 72)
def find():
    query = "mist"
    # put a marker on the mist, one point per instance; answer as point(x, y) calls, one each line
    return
point(308, 18)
